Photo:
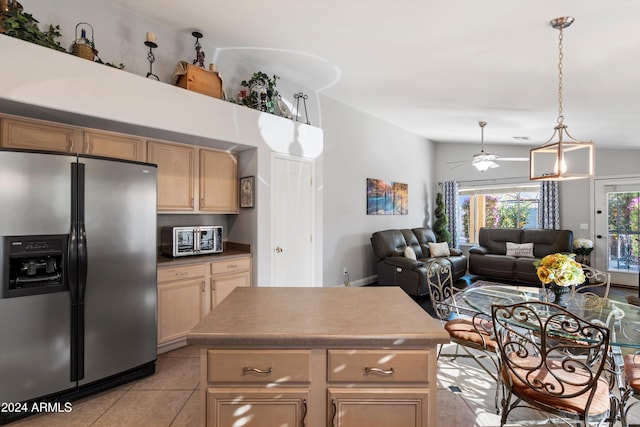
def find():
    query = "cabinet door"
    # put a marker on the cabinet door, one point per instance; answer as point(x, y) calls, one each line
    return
point(175, 175)
point(218, 181)
point(381, 407)
point(222, 285)
point(114, 145)
point(180, 308)
point(227, 406)
point(37, 135)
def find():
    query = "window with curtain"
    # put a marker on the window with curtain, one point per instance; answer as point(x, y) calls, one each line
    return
point(513, 206)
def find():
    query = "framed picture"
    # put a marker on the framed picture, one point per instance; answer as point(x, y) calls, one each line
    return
point(247, 191)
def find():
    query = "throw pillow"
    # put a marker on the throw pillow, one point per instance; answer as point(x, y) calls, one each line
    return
point(523, 249)
point(410, 253)
point(439, 249)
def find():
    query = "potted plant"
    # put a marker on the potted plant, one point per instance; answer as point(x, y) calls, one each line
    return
point(440, 226)
point(262, 92)
point(19, 24)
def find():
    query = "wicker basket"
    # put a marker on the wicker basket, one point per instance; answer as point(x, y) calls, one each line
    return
point(84, 47)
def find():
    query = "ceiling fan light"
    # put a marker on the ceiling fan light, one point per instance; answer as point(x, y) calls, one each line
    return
point(483, 165)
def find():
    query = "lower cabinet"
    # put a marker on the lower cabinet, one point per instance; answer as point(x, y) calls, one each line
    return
point(181, 302)
point(383, 407)
point(228, 275)
point(319, 387)
point(280, 407)
point(185, 296)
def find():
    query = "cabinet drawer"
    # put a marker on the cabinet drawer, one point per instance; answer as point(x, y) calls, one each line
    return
point(258, 366)
point(230, 266)
point(179, 273)
point(378, 366)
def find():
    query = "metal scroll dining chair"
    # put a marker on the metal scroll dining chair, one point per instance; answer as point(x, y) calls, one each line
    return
point(594, 279)
point(553, 361)
point(632, 381)
point(467, 328)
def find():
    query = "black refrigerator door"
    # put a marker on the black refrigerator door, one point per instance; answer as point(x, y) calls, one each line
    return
point(120, 293)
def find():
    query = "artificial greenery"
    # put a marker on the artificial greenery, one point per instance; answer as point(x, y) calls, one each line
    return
point(24, 26)
point(264, 101)
point(440, 228)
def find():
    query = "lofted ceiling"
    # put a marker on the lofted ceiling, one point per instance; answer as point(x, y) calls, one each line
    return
point(437, 67)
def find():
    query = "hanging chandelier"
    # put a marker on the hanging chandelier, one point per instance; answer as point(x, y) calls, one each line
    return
point(563, 159)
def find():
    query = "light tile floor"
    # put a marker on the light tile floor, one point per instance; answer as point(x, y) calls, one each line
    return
point(171, 397)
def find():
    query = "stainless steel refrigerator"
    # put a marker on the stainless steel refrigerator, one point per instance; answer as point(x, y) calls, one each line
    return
point(78, 269)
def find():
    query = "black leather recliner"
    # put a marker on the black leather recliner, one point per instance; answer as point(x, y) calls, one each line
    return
point(411, 275)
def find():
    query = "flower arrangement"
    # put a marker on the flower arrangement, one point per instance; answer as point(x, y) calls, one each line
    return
point(582, 246)
point(560, 269)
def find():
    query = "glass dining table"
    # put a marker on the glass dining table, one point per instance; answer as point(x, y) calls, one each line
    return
point(622, 319)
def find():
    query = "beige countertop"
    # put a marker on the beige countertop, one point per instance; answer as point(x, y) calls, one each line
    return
point(318, 317)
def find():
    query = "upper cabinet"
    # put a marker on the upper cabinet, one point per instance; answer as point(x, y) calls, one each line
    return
point(215, 177)
point(109, 144)
point(40, 135)
point(34, 134)
point(218, 181)
point(175, 175)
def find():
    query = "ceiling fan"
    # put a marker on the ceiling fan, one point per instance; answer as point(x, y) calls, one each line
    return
point(483, 160)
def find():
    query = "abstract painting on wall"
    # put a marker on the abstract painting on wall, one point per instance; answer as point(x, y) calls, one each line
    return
point(387, 197)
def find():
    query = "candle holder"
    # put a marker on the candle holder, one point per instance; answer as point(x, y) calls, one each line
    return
point(151, 58)
point(199, 61)
point(304, 98)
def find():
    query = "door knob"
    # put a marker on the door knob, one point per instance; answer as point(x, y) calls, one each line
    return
point(599, 236)
point(278, 249)
point(599, 211)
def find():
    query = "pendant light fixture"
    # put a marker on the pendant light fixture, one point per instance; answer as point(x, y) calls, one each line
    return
point(483, 161)
point(563, 159)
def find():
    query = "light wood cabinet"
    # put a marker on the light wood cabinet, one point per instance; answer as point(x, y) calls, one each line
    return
point(182, 302)
point(215, 177)
point(228, 275)
point(40, 135)
point(251, 374)
point(378, 407)
point(218, 181)
point(109, 144)
point(355, 397)
point(353, 369)
point(175, 175)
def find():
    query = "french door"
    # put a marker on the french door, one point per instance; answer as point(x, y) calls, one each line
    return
point(617, 228)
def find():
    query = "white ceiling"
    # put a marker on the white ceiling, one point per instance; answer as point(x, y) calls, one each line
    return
point(437, 67)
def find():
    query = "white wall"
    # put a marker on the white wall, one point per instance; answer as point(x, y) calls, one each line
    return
point(358, 146)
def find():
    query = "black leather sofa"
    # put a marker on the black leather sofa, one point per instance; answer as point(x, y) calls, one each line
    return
point(394, 268)
point(489, 258)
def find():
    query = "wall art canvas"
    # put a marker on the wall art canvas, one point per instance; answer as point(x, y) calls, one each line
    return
point(387, 197)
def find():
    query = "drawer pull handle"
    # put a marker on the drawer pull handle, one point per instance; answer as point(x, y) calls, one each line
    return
point(247, 369)
point(390, 371)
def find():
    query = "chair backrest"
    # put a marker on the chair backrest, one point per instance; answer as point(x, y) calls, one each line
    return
point(594, 279)
point(550, 351)
point(441, 290)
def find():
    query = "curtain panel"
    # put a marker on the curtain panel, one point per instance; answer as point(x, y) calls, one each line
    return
point(450, 195)
point(549, 213)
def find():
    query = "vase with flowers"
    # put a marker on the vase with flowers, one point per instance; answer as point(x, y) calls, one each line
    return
point(583, 248)
point(560, 271)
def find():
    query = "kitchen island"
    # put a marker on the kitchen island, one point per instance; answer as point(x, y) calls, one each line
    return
point(318, 356)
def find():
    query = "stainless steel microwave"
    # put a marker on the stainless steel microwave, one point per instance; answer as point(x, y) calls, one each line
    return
point(196, 240)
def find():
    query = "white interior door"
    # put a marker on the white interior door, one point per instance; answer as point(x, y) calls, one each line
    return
point(617, 228)
point(292, 221)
